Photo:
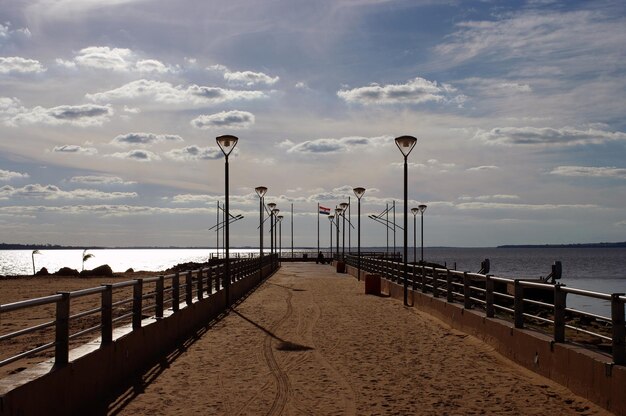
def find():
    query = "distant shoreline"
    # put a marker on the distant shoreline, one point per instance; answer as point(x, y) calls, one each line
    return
point(583, 245)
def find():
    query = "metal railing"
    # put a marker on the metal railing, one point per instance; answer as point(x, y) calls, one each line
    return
point(525, 303)
point(140, 299)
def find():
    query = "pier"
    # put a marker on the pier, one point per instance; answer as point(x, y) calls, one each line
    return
point(308, 340)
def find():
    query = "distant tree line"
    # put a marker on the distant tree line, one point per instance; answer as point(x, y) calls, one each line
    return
point(582, 245)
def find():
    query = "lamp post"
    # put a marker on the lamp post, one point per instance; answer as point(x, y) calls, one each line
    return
point(405, 144)
point(414, 211)
point(422, 208)
point(226, 143)
point(337, 215)
point(261, 191)
point(330, 217)
point(275, 211)
point(344, 207)
point(359, 193)
point(280, 236)
point(271, 206)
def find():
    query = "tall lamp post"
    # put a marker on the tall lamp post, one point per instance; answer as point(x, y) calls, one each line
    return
point(226, 143)
point(271, 206)
point(261, 191)
point(331, 217)
point(344, 207)
point(337, 215)
point(414, 211)
point(275, 211)
point(280, 236)
point(359, 193)
point(406, 144)
point(422, 208)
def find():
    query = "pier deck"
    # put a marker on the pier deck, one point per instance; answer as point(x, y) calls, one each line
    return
point(308, 341)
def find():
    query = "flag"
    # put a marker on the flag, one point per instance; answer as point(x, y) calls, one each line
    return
point(324, 210)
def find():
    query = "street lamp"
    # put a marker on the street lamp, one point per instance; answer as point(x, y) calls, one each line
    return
point(422, 208)
point(337, 215)
point(226, 143)
point(414, 211)
point(344, 206)
point(271, 206)
point(280, 236)
point(406, 144)
point(275, 211)
point(261, 191)
point(331, 217)
point(359, 193)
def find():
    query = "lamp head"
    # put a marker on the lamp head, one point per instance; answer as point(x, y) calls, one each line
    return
point(275, 211)
point(271, 205)
point(260, 191)
point(415, 211)
point(280, 217)
point(338, 211)
point(344, 206)
point(227, 143)
point(359, 192)
point(422, 208)
point(331, 217)
point(406, 144)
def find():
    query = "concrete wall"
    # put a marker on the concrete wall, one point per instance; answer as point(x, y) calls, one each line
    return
point(584, 372)
point(95, 371)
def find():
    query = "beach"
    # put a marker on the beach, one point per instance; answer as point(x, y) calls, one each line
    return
point(309, 342)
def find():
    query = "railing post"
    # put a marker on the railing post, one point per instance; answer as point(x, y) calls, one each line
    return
point(414, 278)
point(489, 297)
point(209, 281)
point(106, 317)
point(449, 293)
point(137, 303)
point(559, 313)
point(435, 283)
point(619, 332)
point(467, 292)
point(200, 284)
point(160, 287)
point(62, 333)
point(518, 304)
point(423, 279)
point(188, 288)
point(176, 291)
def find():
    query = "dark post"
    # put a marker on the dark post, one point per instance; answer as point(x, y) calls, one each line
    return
point(160, 286)
point(337, 215)
point(489, 297)
point(188, 288)
point(518, 304)
point(106, 319)
point(559, 313)
point(62, 332)
point(359, 193)
point(175, 291)
point(137, 303)
point(619, 335)
point(200, 285)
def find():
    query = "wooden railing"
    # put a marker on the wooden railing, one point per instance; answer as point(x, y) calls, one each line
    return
point(512, 299)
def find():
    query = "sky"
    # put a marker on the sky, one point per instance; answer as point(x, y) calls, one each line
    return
point(109, 113)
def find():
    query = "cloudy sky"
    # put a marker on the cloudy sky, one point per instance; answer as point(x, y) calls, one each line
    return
point(109, 113)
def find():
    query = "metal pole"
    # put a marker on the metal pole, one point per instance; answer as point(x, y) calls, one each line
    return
point(318, 227)
point(272, 232)
point(227, 238)
point(331, 239)
point(387, 231)
point(349, 226)
point(422, 226)
point(318, 215)
point(358, 273)
point(406, 213)
point(337, 251)
point(261, 199)
point(414, 238)
point(394, 225)
point(217, 231)
point(343, 236)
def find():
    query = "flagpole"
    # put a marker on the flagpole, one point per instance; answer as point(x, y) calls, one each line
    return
point(318, 228)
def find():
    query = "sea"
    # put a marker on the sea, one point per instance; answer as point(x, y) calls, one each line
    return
point(596, 269)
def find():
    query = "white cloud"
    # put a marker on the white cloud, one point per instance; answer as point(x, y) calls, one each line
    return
point(86, 115)
point(6, 33)
point(488, 197)
point(589, 171)
point(193, 152)
point(104, 211)
point(7, 175)
point(524, 207)
point(75, 149)
point(482, 168)
point(415, 91)
point(547, 136)
point(144, 139)
point(494, 87)
point(50, 192)
point(132, 110)
point(244, 78)
point(114, 59)
point(16, 64)
point(166, 93)
point(342, 145)
point(100, 180)
point(231, 119)
point(431, 164)
point(137, 155)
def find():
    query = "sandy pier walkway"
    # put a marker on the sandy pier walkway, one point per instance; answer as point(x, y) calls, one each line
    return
point(309, 342)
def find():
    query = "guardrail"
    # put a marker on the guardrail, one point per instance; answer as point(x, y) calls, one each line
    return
point(149, 297)
point(520, 301)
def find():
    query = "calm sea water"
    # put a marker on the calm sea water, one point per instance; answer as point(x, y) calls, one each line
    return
point(597, 269)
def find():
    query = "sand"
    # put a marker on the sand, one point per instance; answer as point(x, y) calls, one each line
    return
point(309, 342)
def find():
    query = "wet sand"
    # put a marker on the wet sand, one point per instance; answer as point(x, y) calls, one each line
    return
point(309, 342)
